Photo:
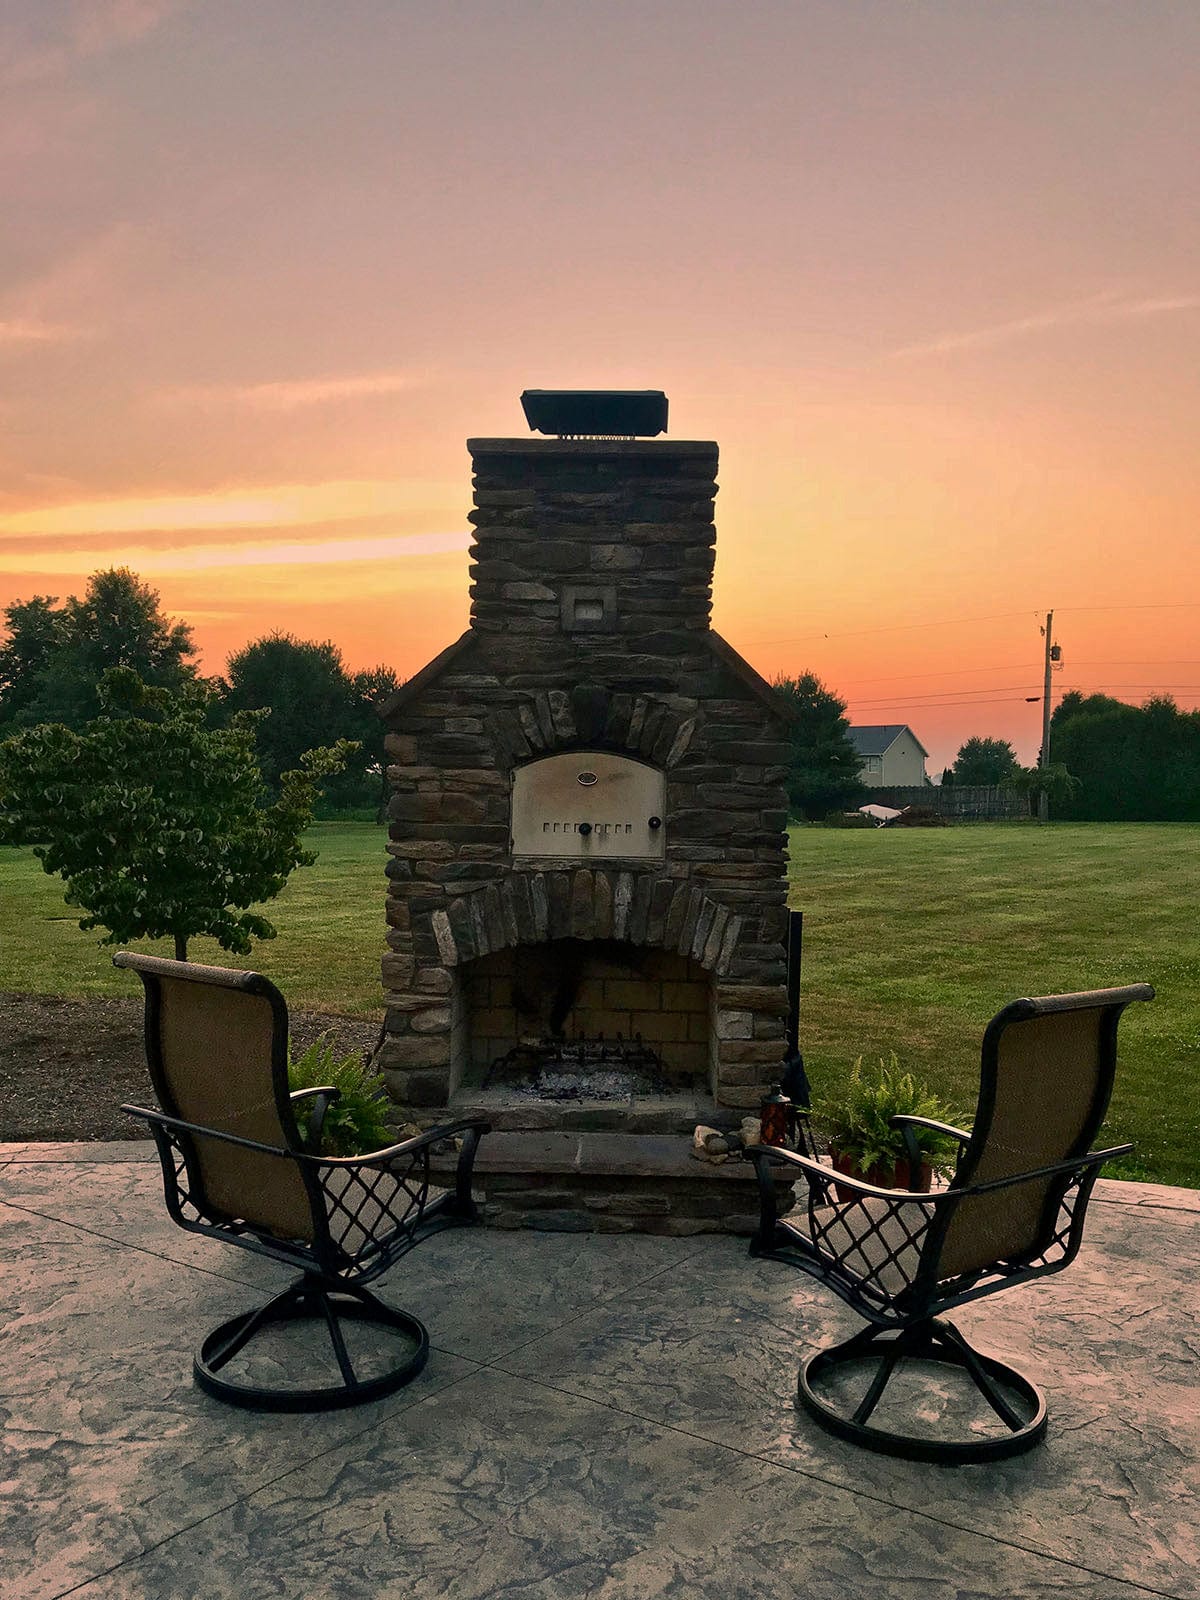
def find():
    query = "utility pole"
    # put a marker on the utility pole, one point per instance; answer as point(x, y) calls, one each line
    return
point(1052, 655)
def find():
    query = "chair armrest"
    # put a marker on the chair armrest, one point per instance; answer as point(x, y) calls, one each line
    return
point(430, 1136)
point(316, 1123)
point(1093, 1158)
point(907, 1124)
point(446, 1130)
point(902, 1120)
point(825, 1176)
point(473, 1130)
point(160, 1120)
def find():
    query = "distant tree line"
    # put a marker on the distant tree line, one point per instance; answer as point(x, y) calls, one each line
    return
point(1112, 762)
point(1132, 763)
point(54, 658)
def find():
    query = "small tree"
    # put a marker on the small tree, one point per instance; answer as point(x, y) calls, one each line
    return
point(985, 762)
point(157, 821)
point(823, 769)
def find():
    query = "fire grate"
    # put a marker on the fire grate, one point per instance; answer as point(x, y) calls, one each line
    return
point(580, 1069)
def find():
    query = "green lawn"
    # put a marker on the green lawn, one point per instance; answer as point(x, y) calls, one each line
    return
point(913, 938)
point(326, 958)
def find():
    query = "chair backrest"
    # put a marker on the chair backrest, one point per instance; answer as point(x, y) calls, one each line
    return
point(1045, 1079)
point(216, 1047)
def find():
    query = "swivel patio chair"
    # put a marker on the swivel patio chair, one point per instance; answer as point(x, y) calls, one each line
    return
point(1014, 1210)
point(235, 1167)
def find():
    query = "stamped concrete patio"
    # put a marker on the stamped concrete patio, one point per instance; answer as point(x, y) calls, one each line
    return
point(601, 1416)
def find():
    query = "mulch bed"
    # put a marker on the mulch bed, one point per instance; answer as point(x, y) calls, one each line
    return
point(67, 1065)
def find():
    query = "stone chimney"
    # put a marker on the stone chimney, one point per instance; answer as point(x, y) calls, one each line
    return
point(603, 550)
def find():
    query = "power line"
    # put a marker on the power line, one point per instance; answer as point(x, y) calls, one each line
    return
point(997, 616)
point(929, 694)
point(947, 705)
point(1004, 688)
point(895, 627)
point(1157, 605)
point(1005, 666)
point(951, 672)
point(879, 706)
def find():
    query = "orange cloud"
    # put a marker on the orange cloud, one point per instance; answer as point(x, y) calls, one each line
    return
point(1101, 308)
point(293, 553)
point(292, 394)
point(282, 505)
point(56, 36)
point(32, 330)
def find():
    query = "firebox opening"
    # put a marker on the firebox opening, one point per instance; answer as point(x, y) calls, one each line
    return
point(582, 1019)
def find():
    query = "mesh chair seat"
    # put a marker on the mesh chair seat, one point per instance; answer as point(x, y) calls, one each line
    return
point(875, 1243)
point(1013, 1211)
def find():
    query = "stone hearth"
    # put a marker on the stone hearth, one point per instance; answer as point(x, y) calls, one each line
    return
point(588, 841)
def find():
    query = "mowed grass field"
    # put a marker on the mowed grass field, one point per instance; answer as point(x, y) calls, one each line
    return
point(913, 938)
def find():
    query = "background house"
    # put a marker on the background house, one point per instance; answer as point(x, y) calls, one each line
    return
point(892, 756)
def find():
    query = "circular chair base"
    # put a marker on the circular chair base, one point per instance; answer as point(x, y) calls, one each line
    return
point(303, 1302)
point(937, 1341)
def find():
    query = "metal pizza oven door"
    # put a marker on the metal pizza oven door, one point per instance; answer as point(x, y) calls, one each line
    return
point(588, 805)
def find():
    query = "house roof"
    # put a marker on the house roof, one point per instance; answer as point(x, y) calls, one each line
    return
point(876, 738)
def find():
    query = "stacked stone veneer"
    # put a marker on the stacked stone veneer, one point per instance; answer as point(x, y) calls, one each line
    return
point(628, 528)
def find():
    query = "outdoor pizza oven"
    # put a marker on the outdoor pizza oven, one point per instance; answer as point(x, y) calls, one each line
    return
point(586, 899)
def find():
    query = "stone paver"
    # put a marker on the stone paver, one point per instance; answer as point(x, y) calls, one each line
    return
point(602, 1416)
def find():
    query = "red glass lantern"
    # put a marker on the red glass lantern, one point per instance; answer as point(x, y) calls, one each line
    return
point(775, 1119)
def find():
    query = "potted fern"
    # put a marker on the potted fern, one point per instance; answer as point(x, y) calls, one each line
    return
point(356, 1122)
point(862, 1142)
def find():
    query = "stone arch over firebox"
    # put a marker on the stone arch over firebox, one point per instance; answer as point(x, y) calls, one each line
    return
point(639, 908)
point(592, 716)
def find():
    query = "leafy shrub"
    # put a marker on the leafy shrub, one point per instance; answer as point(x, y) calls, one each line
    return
point(856, 1119)
point(848, 819)
point(356, 1123)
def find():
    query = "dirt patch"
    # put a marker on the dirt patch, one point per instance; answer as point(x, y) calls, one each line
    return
point(67, 1065)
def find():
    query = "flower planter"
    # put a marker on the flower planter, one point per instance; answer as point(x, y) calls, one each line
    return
point(897, 1177)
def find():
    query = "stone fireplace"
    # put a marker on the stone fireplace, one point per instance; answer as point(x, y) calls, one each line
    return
point(586, 901)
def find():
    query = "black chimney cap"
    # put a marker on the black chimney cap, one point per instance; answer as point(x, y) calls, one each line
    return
point(608, 413)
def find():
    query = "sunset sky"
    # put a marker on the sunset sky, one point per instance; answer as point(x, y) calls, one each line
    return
point(928, 273)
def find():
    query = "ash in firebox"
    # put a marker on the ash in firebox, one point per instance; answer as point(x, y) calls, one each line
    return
point(579, 1069)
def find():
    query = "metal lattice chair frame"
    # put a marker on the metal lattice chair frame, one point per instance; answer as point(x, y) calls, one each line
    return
point(218, 1038)
point(903, 1259)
